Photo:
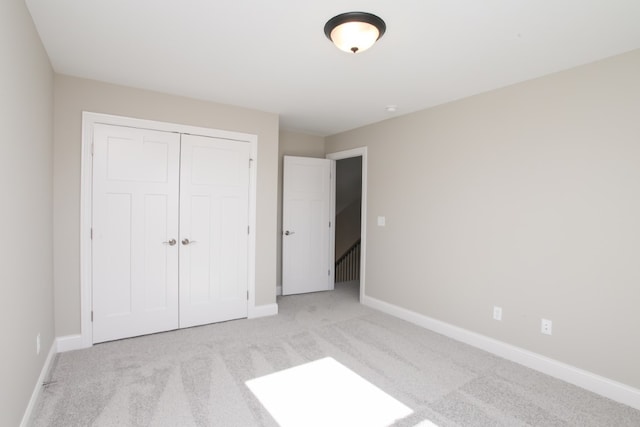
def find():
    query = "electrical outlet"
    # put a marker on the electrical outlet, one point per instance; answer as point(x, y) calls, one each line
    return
point(497, 313)
point(545, 326)
point(38, 344)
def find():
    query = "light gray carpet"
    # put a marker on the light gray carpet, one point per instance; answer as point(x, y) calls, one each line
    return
point(196, 377)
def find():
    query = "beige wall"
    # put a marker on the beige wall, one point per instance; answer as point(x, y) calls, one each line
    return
point(26, 290)
point(74, 95)
point(527, 198)
point(293, 144)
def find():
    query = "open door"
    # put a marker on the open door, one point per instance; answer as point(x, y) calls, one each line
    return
point(307, 252)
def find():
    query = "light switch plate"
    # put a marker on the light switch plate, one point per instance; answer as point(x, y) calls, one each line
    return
point(382, 221)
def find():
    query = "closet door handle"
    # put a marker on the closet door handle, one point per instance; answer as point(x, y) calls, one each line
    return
point(170, 242)
point(289, 233)
point(187, 242)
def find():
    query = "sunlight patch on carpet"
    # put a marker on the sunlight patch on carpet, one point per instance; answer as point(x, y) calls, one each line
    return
point(425, 423)
point(325, 393)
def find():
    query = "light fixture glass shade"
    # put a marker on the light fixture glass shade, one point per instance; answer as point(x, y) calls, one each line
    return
point(354, 31)
point(354, 37)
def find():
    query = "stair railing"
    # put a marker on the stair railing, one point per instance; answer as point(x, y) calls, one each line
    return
point(347, 267)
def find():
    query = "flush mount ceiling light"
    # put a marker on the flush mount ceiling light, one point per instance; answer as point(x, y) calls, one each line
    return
point(354, 31)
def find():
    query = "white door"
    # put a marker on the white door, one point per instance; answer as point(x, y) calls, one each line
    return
point(306, 225)
point(135, 229)
point(214, 221)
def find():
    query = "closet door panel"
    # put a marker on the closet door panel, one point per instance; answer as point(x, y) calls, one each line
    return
point(214, 217)
point(134, 216)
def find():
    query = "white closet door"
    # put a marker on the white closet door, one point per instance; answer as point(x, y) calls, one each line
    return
point(135, 216)
point(214, 218)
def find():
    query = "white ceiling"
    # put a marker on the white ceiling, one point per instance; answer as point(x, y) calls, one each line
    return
point(273, 55)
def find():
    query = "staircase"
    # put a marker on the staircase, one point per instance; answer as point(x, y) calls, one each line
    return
point(347, 267)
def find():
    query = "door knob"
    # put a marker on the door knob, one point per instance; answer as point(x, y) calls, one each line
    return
point(187, 241)
point(170, 242)
point(288, 233)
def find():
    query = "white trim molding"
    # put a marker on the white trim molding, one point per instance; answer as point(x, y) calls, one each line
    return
point(69, 343)
point(263, 310)
point(600, 385)
point(26, 418)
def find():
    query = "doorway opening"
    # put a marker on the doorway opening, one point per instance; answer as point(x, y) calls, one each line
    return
point(347, 219)
point(350, 219)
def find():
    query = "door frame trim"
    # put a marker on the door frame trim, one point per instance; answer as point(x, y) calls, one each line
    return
point(346, 154)
point(89, 119)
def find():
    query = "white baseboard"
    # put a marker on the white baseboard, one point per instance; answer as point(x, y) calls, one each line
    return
point(601, 385)
point(38, 387)
point(69, 343)
point(263, 310)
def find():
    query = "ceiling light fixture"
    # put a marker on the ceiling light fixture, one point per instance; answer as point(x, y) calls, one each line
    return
point(354, 31)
